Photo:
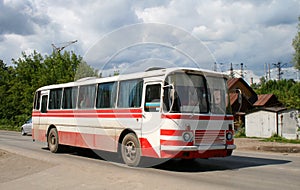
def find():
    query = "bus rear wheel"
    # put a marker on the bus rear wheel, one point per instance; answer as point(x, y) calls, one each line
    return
point(53, 142)
point(131, 150)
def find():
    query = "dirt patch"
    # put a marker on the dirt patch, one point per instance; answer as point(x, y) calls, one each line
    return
point(259, 145)
point(14, 166)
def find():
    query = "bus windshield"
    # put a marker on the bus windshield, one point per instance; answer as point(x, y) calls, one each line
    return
point(185, 93)
point(218, 95)
point(191, 93)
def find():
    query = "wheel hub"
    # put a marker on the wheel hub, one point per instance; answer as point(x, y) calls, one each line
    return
point(130, 150)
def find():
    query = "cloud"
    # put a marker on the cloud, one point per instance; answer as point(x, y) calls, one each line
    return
point(252, 32)
point(20, 18)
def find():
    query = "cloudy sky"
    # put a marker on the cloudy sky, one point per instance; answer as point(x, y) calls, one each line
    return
point(254, 32)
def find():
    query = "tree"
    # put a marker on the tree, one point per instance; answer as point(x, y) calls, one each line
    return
point(5, 77)
point(84, 70)
point(296, 45)
point(287, 91)
point(19, 83)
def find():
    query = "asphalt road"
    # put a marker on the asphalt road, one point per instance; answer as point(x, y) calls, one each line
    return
point(29, 165)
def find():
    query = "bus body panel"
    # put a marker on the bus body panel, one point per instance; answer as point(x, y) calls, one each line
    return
point(95, 129)
point(161, 133)
point(208, 136)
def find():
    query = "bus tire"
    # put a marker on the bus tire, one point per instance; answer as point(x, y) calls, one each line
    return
point(131, 150)
point(53, 141)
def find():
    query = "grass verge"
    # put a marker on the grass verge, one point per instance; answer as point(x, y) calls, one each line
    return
point(276, 138)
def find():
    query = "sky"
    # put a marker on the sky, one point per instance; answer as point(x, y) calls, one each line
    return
point(252, 32)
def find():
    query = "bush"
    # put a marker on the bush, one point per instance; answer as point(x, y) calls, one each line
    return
point(240, 133)
point(10, 128)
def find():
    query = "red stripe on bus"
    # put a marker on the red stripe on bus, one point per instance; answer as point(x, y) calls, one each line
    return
point(137, 110)
point(171, 132)
point(202, 117)
point(147, 149)
point(194, 154)
point(94, 141)
point(135, 116)
point(87, 140)
point(175, 143)
point(89, 115)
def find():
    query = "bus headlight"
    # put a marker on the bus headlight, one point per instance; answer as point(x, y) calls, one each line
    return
point(229, 136)
point(187, 136)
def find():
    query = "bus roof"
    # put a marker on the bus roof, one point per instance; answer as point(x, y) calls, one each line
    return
point(157, 73)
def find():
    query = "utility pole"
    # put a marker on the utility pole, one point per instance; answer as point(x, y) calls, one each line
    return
point(279, 67)
point(269, 71)
point(242, 70)
point(215, 66)
point(231, 71)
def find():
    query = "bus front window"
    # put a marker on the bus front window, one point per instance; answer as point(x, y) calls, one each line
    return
point(218, 95)
point(188, 96)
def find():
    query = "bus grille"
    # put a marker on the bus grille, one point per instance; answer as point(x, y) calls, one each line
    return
point(209, 137)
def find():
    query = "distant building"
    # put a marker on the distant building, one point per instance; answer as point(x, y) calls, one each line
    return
point(248, 101)
point(267, 100)
point(239, 87)
point(263, 115)
point(265, 122)
point(241, 84)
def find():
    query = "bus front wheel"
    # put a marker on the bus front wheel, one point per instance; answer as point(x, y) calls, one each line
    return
point(53, 143)
point(131, 150)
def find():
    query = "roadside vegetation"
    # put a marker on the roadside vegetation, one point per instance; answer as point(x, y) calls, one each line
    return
point(277, 138)
point(10, 128)
point(19, 81)
point(240, 133)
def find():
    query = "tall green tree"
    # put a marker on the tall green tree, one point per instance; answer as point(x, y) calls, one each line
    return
point(85, 70)
point(287, 91)
point(19, 83)
point(296, 45)
point(5, 77)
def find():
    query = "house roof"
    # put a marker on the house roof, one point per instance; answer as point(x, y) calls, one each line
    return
point(275, 109)
point(269, 109)
point(231, 82)
point(241, 84)
point(262, 99)
point(233, 97)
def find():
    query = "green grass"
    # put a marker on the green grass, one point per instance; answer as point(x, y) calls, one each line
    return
point(276, 138)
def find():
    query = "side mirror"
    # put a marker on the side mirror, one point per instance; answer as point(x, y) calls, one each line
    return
point(171, 94)
point(240, 98)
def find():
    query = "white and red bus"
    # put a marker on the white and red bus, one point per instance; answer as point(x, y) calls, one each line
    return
point(160, 113)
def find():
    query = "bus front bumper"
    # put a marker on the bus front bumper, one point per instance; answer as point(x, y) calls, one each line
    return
point(198, 148)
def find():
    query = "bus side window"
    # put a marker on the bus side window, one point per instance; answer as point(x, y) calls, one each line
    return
point(87, 95)
point(37, 99)
point(44, 104)
point(106, 95)
point(55, 98)
point(152, 99)
point(70, 97)
point(130, 93)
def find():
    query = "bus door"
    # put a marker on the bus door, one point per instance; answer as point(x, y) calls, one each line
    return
point(151, 119)
point(41, 127)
